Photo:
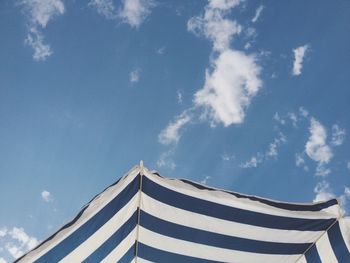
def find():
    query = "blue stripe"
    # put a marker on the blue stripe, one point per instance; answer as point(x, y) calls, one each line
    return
point(286, 206)
point(338, 244)
point(216, 210)
point(112, 242)
point(218, 240)
point(157, 255)
point(128, 256)
point(93, 224)
point(312, 255)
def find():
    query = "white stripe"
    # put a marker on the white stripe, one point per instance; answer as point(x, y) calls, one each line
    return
point(141, 260)
point(121, 249)
point(302, 260)
point(191, 249)
point(103, 233)
point(227, 199)
point(325, 250)
point(212, 224)
point(94, 207)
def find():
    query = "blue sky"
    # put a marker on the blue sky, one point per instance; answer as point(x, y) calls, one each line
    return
point(251, 96)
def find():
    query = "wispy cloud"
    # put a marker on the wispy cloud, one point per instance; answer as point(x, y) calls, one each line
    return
point(300, 161)
point(131, 12)
point(338, 135)
point(39, 14)
point(160, 51)
point(46, 196)
point(299, 54)
point(134, 12)
point(105, 8)
point(271, 152)
point(17, 241)
point(205, 179)
point(171, 134)
point(214, 26)
point(166, 160)
point(134, 76)
point(253, 162)
point(323, 192)
point(258, 12)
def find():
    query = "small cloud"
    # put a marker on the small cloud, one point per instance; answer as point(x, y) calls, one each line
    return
point(3, 232)
point(300, 161)
point(39, 14)
point(303, 112)
point(166, 160)
point(227, 157)
point(46, 196)
point(205, 180)
point(272, 151)
point(258, 12)
point(134, 12)
point(253, 162)
point(294, 118)
point(323, 192)
point(134, 76)
point(104, 8)
point(171, 134)
point(338, 135)
point(161, 50)
point(214, 26)
point(179, 97)
point(279, 119)
point(299, 54)
point(316, 147)
point(348, 165)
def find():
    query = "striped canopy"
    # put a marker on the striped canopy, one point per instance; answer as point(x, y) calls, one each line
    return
point(145, 217)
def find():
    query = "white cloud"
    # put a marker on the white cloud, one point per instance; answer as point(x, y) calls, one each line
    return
point(323, 192)
point(271, 152)
point(253, 162)
point(171, 134)
point(348, 165)
point(214, 26)
point(105, 8)
point(229, 88)
point(338, 135)
point(134, 76)
point(39, 14)
point(294, 118)
point(316, 147)
point(179, 97)
point(2, 260)
point(134, 12)
point(303, 112)
point(258, 13)
point(205, 180)
point(3, 232)
point(35, 40)
point(46, 196)
point(299, 54)
point(227, 157)
point(273, 147)
point(17, 241)
point(161, 50)
point(300, 161)
point(166, 160)
point(279, 119)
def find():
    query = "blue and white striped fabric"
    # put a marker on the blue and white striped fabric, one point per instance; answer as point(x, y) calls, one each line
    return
point(147, 218)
